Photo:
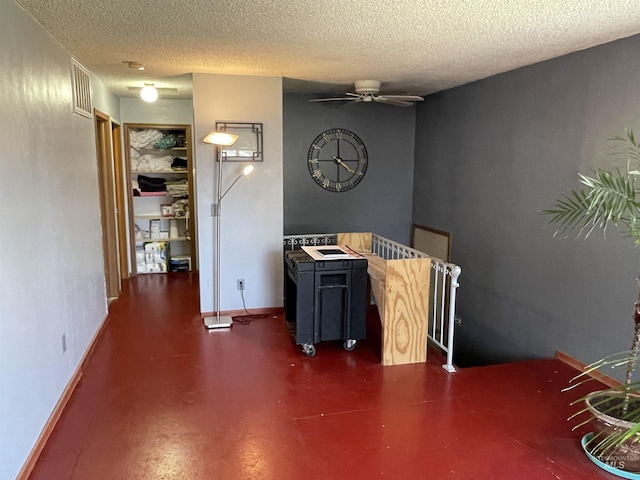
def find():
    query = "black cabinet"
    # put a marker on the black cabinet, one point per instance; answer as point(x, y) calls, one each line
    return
point(325, 300)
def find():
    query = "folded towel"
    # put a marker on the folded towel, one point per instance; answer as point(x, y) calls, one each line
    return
point(151, 184)
point(144, 138)
point(151, 163)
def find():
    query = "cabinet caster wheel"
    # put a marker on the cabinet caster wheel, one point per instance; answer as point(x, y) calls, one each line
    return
point(309, 350)
point(349, 345)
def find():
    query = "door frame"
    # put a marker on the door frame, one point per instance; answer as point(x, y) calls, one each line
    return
point(121, 196)
point(106, 189)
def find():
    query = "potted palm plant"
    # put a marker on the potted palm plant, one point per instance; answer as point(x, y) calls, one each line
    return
point(609, 198)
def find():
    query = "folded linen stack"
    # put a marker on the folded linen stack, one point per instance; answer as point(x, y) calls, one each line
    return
point(151, 163)
point(150, 184)
point(144, 138)
point(177, 187)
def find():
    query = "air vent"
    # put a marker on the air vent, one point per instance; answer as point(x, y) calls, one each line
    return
point(81, 89)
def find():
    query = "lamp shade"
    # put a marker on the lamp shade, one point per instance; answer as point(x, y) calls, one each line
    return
point(149, 93)
point(223, 139)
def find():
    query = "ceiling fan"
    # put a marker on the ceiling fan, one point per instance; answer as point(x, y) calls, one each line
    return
point(368, 91)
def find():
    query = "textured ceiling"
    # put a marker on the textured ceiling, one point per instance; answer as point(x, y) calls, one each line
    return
point(411, 46)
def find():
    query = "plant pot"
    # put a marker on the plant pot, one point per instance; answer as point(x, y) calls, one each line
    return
point(607, 468)
point(624, 457)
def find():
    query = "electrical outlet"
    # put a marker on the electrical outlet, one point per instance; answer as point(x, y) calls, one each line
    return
point(240, 283)
point(64, 343)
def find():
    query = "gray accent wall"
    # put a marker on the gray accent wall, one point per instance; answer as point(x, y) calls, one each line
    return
point(381, 202)
point(490, 156)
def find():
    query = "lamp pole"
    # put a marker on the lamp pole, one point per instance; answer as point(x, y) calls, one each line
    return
point(221, 321)
point(220, 139)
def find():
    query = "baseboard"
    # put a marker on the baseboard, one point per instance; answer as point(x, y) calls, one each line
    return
point(30, 463)
point(578, 365)
point(253, 311)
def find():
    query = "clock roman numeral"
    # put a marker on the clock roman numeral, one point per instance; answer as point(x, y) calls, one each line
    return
point(317, 173)
point(325, 183)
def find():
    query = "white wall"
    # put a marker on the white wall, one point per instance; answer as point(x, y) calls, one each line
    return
point(163, 110)
point(252, 219)
point(51, 268)
point(104, 100)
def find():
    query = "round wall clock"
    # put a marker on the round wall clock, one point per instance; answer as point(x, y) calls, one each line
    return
point(337, 160)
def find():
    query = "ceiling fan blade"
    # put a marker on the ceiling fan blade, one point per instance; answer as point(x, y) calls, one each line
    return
point(403, 98)
point(388, 101)
point(343, 99)
point(354, 101)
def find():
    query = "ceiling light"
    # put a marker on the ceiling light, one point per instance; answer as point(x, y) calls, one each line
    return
point(149, 93)
point(164, 91)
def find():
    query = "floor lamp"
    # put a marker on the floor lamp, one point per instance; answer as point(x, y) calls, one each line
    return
point(220, 139)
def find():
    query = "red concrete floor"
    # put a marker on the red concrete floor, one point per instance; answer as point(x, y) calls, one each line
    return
point(163, 398)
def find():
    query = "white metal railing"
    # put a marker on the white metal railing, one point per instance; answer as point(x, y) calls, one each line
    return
point(443, 285)
point(295, 242)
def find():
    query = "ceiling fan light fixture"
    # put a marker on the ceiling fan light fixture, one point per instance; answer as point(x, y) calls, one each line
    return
point(368, 91)
point(134, 65)
point(149, 93)
point(367, 87)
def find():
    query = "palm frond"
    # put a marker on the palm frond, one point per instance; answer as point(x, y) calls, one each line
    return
point(571, 212)
point(609, 198)
point(610, 362)
point(612, 193)
point(626, 147)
